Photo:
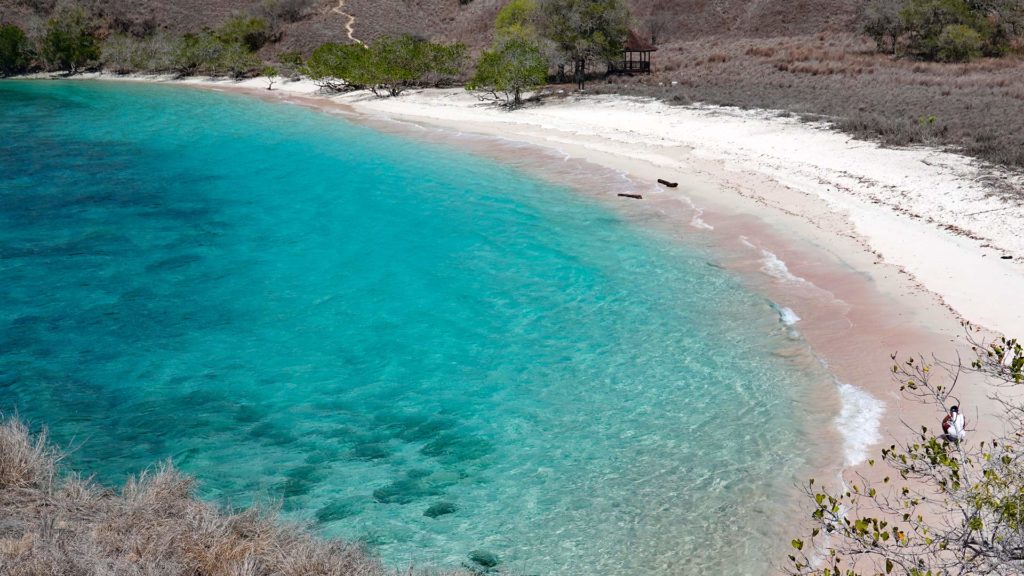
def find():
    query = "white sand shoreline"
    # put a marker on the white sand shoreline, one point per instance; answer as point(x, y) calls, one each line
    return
point(897, 243)
point(927, 212)
point(922, 226)
point(924, 211)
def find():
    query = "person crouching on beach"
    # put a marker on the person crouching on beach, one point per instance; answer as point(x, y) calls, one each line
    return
point(954, 426)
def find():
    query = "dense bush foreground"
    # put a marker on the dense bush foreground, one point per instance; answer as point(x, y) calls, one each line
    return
point(56, 524)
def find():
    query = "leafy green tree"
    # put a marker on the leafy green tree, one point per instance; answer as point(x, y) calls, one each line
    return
point(958, 43)
point(252, 33)
point(398, 63)
point(945, 30)
point(584, 30)
point(516, 20)
point(1001, 24)
point(214, 54)
point(197, 53)
point(927, 20)
point(69, 43)
point(269, 74)
point(950, 506)
point(290, 64)
point(237, 61)
point(339, 66)
point(387, 66)
point(394, 64)
point(447, 62)
point(15, 51)
point(882, 22)
point(515, 66)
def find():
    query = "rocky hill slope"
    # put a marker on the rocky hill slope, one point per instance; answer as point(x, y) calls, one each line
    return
point(470, 22)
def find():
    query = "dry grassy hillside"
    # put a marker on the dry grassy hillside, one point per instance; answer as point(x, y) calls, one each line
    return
point(470, 23)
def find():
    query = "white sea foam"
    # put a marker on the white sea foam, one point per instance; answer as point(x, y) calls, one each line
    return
point(787, 316)
point(859, 422)
point(696, 221)
point(772, 265)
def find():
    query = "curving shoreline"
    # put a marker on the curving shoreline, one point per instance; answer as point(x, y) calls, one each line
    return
point(877, 250)
point(788, 171)
point(831, 257)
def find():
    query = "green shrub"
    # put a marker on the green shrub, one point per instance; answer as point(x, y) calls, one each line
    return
point(388, 66)
point(339, 66)
point(197, 53)
point(237, 61)
point(292, 59)
point(958, 43)
point(883, 24)
point(947, 30)
point(516, 20)
point(15, 52)
point(516, 66)
point(252, 33)
point(290, 64)
point(69, 44)
point(398, 63)
point(446, 63)
point(210, 54)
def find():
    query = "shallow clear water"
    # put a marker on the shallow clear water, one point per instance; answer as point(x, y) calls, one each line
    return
point(299, 309)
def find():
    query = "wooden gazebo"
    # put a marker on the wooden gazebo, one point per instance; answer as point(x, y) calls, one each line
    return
point(636, 56)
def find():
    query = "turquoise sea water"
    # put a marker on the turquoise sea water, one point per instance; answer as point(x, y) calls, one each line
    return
point(297, 309)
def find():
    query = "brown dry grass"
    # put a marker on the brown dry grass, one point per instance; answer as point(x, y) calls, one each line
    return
point(155, 526)
point(471, 22)
point(973, 108)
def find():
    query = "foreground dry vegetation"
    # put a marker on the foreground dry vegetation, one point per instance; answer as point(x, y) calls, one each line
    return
point(56, 523)
point(973, 107)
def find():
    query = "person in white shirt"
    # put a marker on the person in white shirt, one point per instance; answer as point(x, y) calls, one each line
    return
point(954, 425)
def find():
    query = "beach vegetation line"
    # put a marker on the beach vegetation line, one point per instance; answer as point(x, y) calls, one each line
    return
point(387, 66)
point(15, 50)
